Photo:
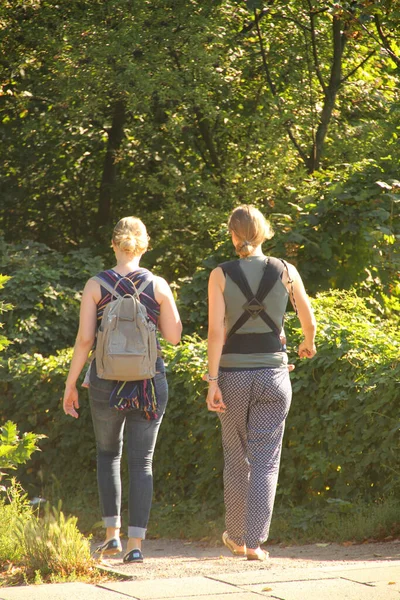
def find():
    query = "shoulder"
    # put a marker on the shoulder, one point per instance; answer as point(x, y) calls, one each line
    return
point(217, 278)
point(162, 289)
point(290, 273)
point(91, 290)
point(228, 265)
point(160, 282)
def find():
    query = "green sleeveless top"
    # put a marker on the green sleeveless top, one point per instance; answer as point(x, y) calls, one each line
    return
point(275, 305)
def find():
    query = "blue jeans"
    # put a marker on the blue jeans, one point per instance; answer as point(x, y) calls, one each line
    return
point(141, 437)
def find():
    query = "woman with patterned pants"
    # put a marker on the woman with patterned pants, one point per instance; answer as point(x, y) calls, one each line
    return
point(248, 374)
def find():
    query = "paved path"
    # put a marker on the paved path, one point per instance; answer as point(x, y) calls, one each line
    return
point(237, 579)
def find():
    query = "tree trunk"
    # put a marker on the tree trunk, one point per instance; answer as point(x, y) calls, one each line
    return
point(206, 135)
point(339, 40)
point(115, 137)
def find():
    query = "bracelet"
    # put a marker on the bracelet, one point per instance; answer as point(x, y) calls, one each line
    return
point(209, 378)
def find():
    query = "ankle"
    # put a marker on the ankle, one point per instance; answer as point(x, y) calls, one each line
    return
point(134, 543)
point(112, 533)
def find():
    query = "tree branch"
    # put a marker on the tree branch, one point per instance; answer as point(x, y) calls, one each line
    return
point(261, 14)
point(203, 125)
point(271, 84)
point(358, 66)
point(311, 15)
point(385, 41)
point(339, 41)
point(274, 92)
point(291, 20)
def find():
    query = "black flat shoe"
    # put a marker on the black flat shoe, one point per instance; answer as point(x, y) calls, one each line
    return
point(134, 555)
point(109, 548)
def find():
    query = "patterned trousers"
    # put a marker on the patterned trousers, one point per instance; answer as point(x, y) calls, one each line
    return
point(257, 403)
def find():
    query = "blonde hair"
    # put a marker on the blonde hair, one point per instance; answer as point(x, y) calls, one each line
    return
point(130, 235)
point(250, 227)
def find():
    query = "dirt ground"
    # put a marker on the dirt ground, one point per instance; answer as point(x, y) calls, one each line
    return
point(180, 558)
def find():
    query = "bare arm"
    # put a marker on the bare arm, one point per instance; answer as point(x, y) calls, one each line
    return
point(169, 322)
point(301, 303)
point(83, 344)
point(216, 336)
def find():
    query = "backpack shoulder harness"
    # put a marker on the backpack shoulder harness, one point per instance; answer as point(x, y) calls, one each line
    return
point(254, 342)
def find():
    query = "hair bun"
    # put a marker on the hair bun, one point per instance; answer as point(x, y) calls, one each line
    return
point(244, 249)
point(128, 243)
point(130, 236)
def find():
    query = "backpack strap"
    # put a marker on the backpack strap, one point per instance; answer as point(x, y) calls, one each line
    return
point(254, 308)
point(143, 285)
point(291, 282)
point(107, 286)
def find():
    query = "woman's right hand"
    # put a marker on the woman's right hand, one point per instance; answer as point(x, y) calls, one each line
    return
point(71, 401)
point(214, 399)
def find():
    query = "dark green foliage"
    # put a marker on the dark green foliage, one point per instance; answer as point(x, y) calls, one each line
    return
point(31, 390)
point(189, 455)
point(45, 289)
point(342, 436)
point(15, 449)
point(346, 228)
point(167, 110)
point(176, 112)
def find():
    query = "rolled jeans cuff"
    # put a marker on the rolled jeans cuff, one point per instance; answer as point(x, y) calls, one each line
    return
point(112, 522)
point(137, 532)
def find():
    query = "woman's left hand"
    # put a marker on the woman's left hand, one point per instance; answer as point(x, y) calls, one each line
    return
point(214, 399)
point(307, 349)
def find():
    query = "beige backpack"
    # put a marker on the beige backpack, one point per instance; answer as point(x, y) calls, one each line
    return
point(126, 347)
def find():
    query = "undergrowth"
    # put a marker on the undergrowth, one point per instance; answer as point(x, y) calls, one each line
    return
point(332, 520)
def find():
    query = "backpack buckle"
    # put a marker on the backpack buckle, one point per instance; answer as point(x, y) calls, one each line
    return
point(253, 307)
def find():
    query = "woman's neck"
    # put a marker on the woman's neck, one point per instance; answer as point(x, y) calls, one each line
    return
point(126, 264)
point(256, 252)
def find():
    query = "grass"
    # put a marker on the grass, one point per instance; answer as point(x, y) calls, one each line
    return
point(14, 510)
point(337, 521)
point(332, 520)
point(38, 548)
point(327, 520)
point(51, 548)
point(52, 543)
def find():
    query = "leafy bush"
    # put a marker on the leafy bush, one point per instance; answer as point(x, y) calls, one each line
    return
point(343, 228)
point(32, 388)
point(14, 505)
point(15, 450)
point(188, 462)
point(342, 435)
point(341, 439)
point(4, 307)
point(44, 288)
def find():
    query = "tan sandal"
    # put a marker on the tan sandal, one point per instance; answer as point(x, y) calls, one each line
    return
point(257, 555)
point(231, 545)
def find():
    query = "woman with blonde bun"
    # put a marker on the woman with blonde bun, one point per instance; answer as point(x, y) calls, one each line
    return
point(137, 406)
point(248, 374)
